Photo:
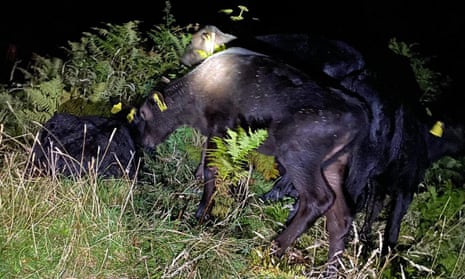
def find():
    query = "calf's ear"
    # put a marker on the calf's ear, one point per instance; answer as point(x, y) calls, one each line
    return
point(218, 37)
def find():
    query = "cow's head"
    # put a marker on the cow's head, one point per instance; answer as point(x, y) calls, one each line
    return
point(204, 43)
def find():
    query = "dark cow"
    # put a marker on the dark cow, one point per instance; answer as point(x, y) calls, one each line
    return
point(402, 142)
point(78, 145)
point(415, 145)
point(326, 60)
point(311, 129)
point(400, 146)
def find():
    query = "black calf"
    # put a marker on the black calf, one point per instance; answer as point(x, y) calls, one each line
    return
point(312, 129)
point(325, 60)
point(399, 148)
point(416, 145)
point(77, 145)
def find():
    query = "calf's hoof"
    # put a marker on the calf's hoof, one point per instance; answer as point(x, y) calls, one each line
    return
point(203, 214)
point(276, 249)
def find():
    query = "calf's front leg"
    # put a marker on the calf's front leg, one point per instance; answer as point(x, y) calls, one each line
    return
point(208, 175)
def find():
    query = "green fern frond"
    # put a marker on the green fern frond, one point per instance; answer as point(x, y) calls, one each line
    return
point(402, 48)
point(240, 143)
point(8, 104)
point(265, 164)
point(46, 68)
point(114, 56)
point(170, 43)
point(46, 96)
point(232, 158)
point(430, 82)
point(107, 62)
point(234, 151)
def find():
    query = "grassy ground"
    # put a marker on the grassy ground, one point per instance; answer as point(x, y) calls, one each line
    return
point(53, 227)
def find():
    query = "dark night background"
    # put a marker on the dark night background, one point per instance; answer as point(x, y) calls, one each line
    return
point(437, 26)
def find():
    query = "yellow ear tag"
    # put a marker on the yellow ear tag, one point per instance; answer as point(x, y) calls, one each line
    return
point(220, 47)
point(131, 114)
point(161, 105)
point(438, 129)
point(116, 108)
point(202, 53)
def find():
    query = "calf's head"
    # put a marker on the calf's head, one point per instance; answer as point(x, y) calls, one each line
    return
point(204, 43)
point(76, 145)
point(152, 120)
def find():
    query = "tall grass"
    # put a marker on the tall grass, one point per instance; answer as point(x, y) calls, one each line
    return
point(87, 227)
point(54, 227)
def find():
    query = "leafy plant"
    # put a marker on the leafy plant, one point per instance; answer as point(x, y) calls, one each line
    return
point(111, 62)
point(232, 159)
point(233, 152)
point(435, 221)
point(91, 228)
point(432, 83)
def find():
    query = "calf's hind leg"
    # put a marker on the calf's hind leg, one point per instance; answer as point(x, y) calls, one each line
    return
point(400, 203)
point(315, 198)
point(339, 216)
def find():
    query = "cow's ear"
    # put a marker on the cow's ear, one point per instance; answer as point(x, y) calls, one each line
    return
point(159, 100)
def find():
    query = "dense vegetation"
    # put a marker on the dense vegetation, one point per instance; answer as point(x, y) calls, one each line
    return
point(56, 227)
